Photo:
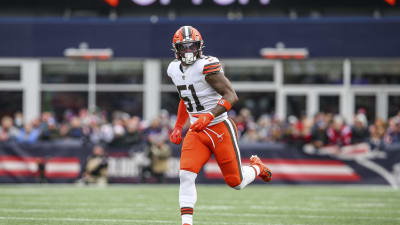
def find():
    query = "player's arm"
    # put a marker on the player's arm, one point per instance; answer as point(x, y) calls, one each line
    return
point(181, 118)
point(182, 115)
point(221, 84)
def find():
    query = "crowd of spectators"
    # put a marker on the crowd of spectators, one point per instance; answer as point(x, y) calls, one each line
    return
point(122, 129)
point(324, 129)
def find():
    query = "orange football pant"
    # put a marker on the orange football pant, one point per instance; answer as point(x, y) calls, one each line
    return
point(220, 140)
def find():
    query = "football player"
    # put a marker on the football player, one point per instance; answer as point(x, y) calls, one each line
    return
point(205, 97)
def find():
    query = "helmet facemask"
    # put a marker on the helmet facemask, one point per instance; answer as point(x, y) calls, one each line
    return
point(188, 52)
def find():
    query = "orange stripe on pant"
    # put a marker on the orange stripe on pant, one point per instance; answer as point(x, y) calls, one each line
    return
point(198, 147)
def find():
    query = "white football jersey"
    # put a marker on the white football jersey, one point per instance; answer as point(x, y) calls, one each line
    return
point(198, 95)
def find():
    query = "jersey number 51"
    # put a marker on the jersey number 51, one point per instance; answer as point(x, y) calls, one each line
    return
point(199, 107)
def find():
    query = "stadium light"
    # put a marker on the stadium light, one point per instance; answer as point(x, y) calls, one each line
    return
point(84, 52)
point(280, 52)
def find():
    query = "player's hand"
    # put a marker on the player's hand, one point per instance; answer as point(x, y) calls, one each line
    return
point(202, 122)
point(176, 135)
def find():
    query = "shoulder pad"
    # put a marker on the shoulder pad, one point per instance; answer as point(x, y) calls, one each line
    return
point(211, 65)
point(170, 67)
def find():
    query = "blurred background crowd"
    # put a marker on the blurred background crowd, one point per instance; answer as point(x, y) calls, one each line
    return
point(124, 130)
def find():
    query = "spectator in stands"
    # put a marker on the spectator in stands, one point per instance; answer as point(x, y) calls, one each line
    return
point(76, 130)
point(41, 170)
point(53, 132)
point(293, 133)
point(7, 130)
point(63, 131)
point(375, 138)
point(36, 124)
point(339, 133)
point(277, 129)
point(68, 115)
point(28, 134)
point(393, 133)
point(243, 119)
point(319, 137)
point(328, 118)
point(251, 135)
point(18, 120)
point(159, 154)
point(96, 167)
point(119, 133)
point(263, 128)
point(48, 127)
point(93, 131)
point(84, 117)
point(165, 120)
point(107, 133)
point(306, 129)
point(156, 128)
point(359, 130)
point(381, 127)
point(133, 136)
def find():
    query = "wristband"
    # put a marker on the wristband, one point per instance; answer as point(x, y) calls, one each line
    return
point(226, 104)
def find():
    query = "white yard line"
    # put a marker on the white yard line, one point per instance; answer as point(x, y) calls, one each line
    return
point(348, 207)
point(69, 219)
point(266, 215)
point(133, 210)
point(312, 198)
point(215, 207)
point(361, 199)
point(208, 222)
point(318, 209)
point(37, 202)
point(49, 200)
point(85, 210)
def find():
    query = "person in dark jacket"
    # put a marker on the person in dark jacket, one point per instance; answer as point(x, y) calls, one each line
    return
point(359, 131)
point(76, 130)
point(96, 167)
point(133, 136)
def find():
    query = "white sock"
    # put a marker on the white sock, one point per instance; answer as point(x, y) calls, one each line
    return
point(187, 219)
point(257, 168)
point(249, 173)
point(187, 195)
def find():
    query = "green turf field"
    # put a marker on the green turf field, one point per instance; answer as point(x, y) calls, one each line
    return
point(257, 204)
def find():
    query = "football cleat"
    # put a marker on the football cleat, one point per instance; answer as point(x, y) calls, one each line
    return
point(265, 172)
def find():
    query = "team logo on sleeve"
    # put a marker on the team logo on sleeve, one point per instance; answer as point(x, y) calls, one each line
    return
point(212, 68)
